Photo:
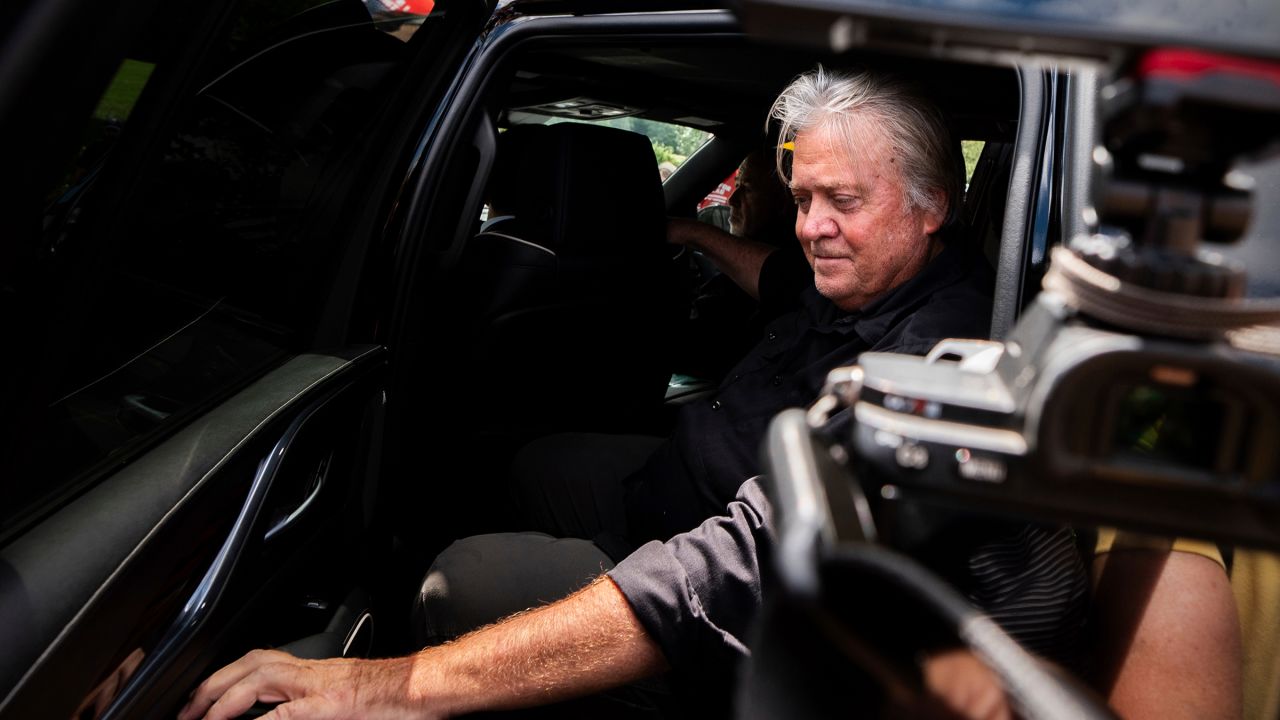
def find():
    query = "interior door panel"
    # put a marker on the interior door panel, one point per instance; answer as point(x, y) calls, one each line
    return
point(149, 574)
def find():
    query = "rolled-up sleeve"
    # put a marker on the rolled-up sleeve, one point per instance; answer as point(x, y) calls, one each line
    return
point(698, 592)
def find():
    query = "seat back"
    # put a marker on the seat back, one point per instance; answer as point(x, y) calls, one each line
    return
point(572, 301)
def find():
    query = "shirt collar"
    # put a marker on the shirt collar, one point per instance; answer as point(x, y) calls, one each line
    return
point(874, 320)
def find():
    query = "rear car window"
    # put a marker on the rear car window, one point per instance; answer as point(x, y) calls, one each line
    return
point(178, 260)
point(672, 143)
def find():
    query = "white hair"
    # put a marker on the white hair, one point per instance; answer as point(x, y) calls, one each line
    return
point(917, 132)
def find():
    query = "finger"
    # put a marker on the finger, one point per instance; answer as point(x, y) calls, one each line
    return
point(263, 684)
point(213, 688)
point(308, 708)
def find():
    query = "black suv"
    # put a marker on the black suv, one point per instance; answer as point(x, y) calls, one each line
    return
point(255, 380)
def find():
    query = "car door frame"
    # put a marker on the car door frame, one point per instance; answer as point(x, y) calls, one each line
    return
point(178, 549)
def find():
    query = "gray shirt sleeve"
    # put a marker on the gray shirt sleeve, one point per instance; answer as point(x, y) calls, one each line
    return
point(697, 593)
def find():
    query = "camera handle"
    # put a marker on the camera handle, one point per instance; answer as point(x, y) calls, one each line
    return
point(824, 526)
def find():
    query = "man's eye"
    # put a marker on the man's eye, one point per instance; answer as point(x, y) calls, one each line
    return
point(846, 202)
point(801, 202)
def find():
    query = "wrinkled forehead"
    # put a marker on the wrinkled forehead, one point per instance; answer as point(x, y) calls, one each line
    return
point(851, 145)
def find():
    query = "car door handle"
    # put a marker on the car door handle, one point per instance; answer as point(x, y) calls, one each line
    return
point(313, 492)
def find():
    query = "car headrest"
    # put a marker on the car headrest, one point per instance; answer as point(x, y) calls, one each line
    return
point(505, 180)
point(586, 189)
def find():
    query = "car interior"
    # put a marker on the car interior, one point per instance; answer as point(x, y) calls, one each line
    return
point(296, 279)
point(568, 317)
point(458, 340)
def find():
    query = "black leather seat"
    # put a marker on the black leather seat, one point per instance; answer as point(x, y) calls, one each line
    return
point(571, 304)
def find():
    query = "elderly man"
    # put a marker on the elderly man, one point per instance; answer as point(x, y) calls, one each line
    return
point(874, 180)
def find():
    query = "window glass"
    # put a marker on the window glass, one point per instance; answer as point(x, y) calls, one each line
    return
point(714, 208)
point(672, 144)
point(181, 256)
point(972, 150)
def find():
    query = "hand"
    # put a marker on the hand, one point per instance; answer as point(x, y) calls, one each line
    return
point(316, 689)
point(965, 686)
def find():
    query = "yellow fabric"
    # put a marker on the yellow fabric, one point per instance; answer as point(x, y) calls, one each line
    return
point(1107, 539)
point(1255, 582)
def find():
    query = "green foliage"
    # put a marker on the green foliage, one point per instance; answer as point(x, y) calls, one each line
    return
point(971, 149)
point(671, 143)
point(666, 153)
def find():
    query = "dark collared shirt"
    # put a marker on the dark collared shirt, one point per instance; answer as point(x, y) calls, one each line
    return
point(716, 442)
point(698, 592)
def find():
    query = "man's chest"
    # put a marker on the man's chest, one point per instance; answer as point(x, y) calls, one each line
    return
point(788, 367)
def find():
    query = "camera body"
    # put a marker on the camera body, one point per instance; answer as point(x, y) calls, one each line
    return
point(1074, 422)
point(1140, 388)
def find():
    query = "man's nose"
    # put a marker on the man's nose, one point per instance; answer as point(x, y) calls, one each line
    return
point(815, 225)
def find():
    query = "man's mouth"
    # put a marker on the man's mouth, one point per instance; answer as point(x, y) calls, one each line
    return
point(821, 254)
point(830, 264)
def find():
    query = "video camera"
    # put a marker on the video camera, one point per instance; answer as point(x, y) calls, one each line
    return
point(1139, 390)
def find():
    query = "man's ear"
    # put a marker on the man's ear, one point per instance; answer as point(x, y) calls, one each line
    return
point(934, 219)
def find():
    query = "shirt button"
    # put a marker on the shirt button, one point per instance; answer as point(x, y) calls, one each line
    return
point(737, 378)
point(773, 336)
point(777, 380)
point(715, 405)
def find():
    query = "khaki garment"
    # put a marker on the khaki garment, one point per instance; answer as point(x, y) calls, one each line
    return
point(1255, 582)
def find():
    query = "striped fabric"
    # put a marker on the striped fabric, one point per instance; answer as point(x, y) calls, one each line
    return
point(1033, 583)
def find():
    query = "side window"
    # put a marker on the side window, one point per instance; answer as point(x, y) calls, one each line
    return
point(672, 144)
point(972, 150)
point(179, 258)
point(714, 208)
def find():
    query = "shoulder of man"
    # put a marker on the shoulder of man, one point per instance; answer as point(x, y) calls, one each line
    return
point(960, 307)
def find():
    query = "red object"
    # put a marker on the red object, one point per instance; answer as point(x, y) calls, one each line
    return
point(720, 196)
point(408, 7)
point(1193, 63)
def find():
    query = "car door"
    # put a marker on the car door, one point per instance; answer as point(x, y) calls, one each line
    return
point(193, 395)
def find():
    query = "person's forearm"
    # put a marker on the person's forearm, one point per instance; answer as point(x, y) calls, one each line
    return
point(588, 642)
point(739, 258)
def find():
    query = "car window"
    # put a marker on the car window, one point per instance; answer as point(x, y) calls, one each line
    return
point(177, 260)
point(672, 143)
point(972, 150)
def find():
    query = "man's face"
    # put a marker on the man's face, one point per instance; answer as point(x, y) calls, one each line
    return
point(858, 233)
point(758, 199)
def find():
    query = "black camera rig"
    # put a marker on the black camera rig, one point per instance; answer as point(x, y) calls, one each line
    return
point(1140, 389)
